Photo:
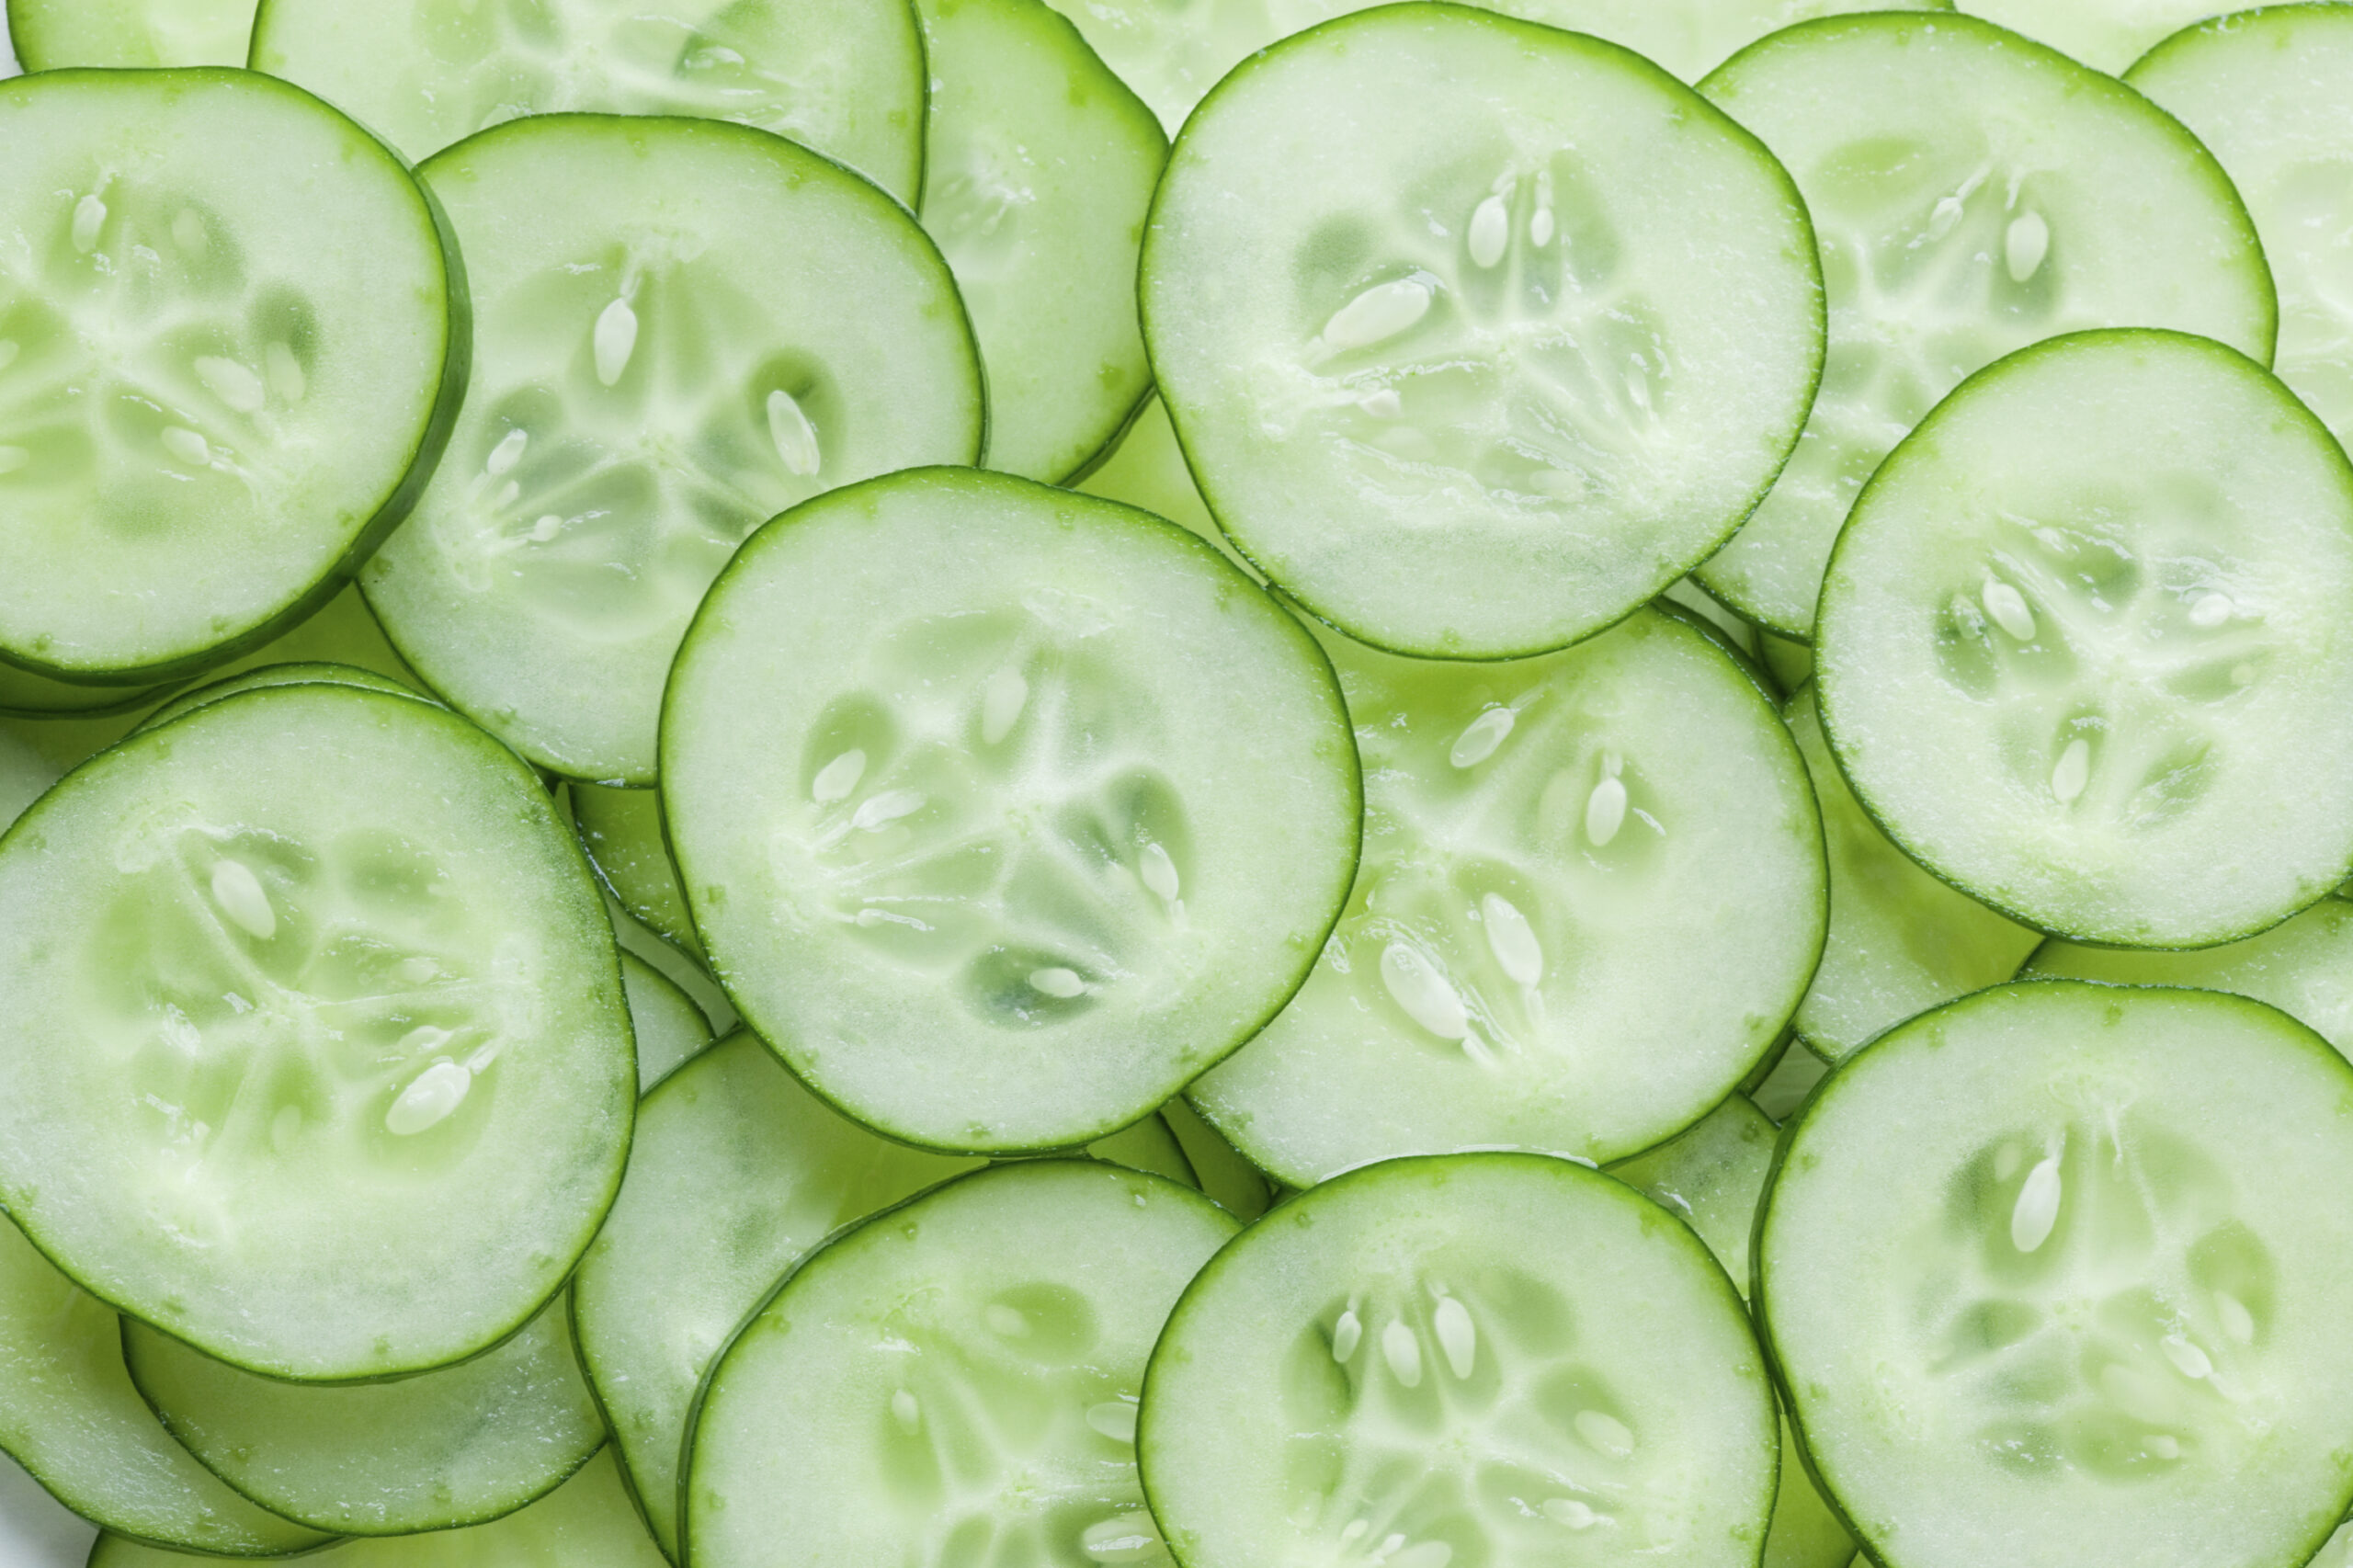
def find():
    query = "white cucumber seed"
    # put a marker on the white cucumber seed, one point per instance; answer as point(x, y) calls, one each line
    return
point(1130, 1537)
point(1347, 1335)
point(2024, 244)
point(1428, 997)
point(1509, 937)
point(230, 381)
point(1490, 230)
point(2009, 608)
point(794, 436)
point(1604, 1433)
point(2036, 1214)
point(1568, 1511)
point(1003, 697)
point(2187, 1359)
point(242, 898)
point(423, 1039)
point(1115, 1418)
point(880, 811)
point(1457, 1336)
point(285, 372)
point(838, 777)
point(2164, 1446)
point(905, 1411)
point(1403, 1351)
point(1944, 216)
point(1159, 873)
point(2237, 1322)
point(545, 530)
point(1481, 736)
point(1605, 810)
point(2074, 772)
point(1006, 1321)
point(614, 340)
point(89, 217)
point(188, 445)
point(507, 453)
point(1384, 404)
point(1063, 983)
point(2211, 611)
point(429, 1100)
point(1381, 313)
point(1540, 222)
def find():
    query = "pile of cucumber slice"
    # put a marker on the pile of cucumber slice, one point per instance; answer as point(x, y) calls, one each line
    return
point(1197, 783)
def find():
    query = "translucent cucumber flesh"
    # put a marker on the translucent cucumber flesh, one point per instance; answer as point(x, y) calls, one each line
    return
point(130, 34)
point(671, 1030)
point(621, 831)
point(2106, 35)
point(1979, 195)
point(2070, 1318)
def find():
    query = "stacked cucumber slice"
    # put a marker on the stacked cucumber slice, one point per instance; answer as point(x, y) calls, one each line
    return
point(1203, 783)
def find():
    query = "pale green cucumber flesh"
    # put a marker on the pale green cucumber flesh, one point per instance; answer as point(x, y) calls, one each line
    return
point(1220, 1170)
point(265, 675)
point(1973, 192)
point(1591, 895)
point(2106, 35)
point(729, 326)
point(130, 34)
point(671, 1030)
point(2081, 650)
point(1792, 1079)
point(967, 1366)
point(1477, 334)
point(326, 1096)
point(621, 831)
point(996, 872)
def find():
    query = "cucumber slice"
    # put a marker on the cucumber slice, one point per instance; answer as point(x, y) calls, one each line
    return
point(1039, 169)
point(2034, 1294)
point(1592, 894)
point(24, 695)
point(965, 1366)
point(227, 377)
point(842, 76)
point(997, 869)
point(1495, 444)
point(621, 831)
point(1172, 51)
point(1148, 1146)
point(683, 972)
point(585, 1523)
point(1385, 1365)
point(119, 34)
point(2299, 966)
point(70, 1415)
point(1972, 193)
point(684, 328)
point(2106, 35)
point(458, 1447)
point(671, 1030)
point(1786, 1087)
point(1790, 664)
point(1687, 595)
point(2081, 648)
point(1900, 941)
point(256, 963)
point(25, 776)
point(1232, 1182)
point(269, 675)
point(2265, 93)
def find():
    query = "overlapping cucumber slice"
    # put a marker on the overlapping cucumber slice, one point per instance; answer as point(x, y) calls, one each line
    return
point(2081, 648)
point(1592, 894)
point(119, 34)
point(225, 380)
point(2048, 1278)
point(1973, 192)
point(731, 325)
point(327, 1096)
point(2107, 35)
point(1476, 334)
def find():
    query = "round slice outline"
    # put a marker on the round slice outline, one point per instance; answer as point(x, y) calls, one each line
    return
point(1927, 1032)
point(1408, 295)
point(2290, 413)
point(566, 874)
point(1337, 754)
point(116, 42)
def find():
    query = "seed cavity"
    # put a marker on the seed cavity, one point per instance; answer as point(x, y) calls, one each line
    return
point(2237, 1322)
point(1347, 1335)
point(2187, 1359)
point(285, 372)
point(1490, 230)
point(2009, 608)
point(879, 811)
point(794, 435)
point(1427, 996)
point(428, 1099)
point(89, 217)
point(615, 340)
point(1063, 983)
point(240, 895)
point(1003, 697)
point(230, 383)
point(2024, 244)
point(1381, 313)
point(1159, 873)
point(2074, 772)
point(1457, 1335)
point(507, 453)
point(1006, 1321)
point(1403, 1351)
point(1130, 1537)
point(2211, 611)
point(838, 777)
point(1480, 738)
point(1516, 951)
point(905, 1411)
point(2037, 1210)
point(188, 445)
point(188, 233)
point(1115, 1418)
point(1606, 1434)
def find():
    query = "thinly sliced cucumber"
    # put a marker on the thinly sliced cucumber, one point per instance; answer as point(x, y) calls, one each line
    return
point(1476, 334)
point(1235, 1184)
point(1973, 192)
point(2082, 647)
point(585, 1523)
point(2043, 1286)
point(26, 695)
point(1151, 1147)
point(1792, 1079)
point(25, 776)
point(226, 379)
point(2107, 35)
point(121, 34)
point(842, 76)
point(2299, 966)
point(966, 1367)
point(684, 328)
point(671, 1030)
point(1172, 51)
point(1387, 1364)
point(997, 869)
point(1592, 894)
point(1039, 167)
point(267, 676)
point(621, 831)
point(69, 1414)
point(737, 1172)
point(457, 1446)
point(2264, 90)
point(317, 1054)
point(1900, 941)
